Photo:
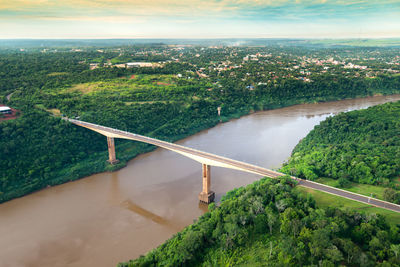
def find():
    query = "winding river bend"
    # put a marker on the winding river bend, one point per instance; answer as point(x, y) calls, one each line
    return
point(111, 217)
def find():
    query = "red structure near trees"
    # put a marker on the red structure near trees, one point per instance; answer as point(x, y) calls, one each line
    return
point(8, 114)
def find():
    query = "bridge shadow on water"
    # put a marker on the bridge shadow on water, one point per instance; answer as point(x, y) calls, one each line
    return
point(116, 198)
point(128, 204)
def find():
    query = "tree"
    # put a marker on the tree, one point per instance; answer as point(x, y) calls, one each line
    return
point(389, 195)
point(290, 221)
point(272, 219)
point(396, 250)
point(350, 249)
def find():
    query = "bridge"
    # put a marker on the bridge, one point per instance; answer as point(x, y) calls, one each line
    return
point(207, 160)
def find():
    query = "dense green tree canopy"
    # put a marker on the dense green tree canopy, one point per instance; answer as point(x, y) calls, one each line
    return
point(360, 146)
point(174, 100)
point(268, 223)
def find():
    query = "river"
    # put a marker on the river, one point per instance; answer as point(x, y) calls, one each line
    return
point(107, 218)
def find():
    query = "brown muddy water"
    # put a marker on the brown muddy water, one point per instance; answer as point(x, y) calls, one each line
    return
point(107, 218)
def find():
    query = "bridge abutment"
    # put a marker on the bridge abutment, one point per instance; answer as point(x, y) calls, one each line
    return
point(206, 196)
point(111, 151)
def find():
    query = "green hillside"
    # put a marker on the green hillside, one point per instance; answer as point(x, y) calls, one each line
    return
point(168, 102)
point(269, 223)
point(355, 147)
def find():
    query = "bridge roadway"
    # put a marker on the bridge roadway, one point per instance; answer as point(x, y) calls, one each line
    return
point(215, 160)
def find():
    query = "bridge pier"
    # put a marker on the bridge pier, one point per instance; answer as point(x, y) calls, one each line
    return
point(111, 151)
point(206, 196)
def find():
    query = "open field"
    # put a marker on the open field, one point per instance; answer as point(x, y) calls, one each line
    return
point(57, 74)
point(362, 189)
point(327, 200)
point(139, 82)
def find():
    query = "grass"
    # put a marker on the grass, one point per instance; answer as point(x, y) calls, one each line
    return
point(362, 189)
point(55, 112)
point(57, 74)
point(327, 200)
point(84, 88)
point(123, 84)
point(128, 103)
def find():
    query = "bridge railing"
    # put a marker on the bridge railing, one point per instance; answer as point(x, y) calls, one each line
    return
point(241, 165)
point(157, 142)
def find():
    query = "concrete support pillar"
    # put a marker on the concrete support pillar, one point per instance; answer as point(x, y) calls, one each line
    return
point(206, 196)
point(111, 151)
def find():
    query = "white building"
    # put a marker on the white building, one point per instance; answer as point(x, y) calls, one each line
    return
point(139, 64)
point(5, 110)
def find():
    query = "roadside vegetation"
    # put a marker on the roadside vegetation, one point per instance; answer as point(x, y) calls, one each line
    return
point(169, 102)
point(325, 200)
point(357, 150)
point(269, 223)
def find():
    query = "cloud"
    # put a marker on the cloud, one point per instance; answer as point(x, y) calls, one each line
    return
point(119, 7)
point(207, 15)
point(187, 8)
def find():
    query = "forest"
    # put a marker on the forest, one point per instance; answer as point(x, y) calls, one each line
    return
point(269, 223)
point(169, 102)
point(360, 146)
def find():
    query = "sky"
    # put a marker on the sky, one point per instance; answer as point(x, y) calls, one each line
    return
point(199, 19)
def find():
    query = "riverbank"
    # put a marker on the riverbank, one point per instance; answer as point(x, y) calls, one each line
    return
point(357, 151)
point(270, 222)
point(126, 151)
point(111, 217)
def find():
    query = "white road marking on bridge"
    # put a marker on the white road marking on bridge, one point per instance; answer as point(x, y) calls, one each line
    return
point(220, 161)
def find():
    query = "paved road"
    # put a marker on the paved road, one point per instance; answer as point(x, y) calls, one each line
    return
point(238, 164)
point(9, 96)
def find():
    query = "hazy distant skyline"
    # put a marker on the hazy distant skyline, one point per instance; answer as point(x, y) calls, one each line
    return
point(199, 19)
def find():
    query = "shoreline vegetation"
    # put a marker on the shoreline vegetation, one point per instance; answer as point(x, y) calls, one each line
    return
point(271, 223)
point(357, 150)
point(97, 163)
point(267, 222)
point(175, 99)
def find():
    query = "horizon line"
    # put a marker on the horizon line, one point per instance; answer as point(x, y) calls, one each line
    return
point(196, 38)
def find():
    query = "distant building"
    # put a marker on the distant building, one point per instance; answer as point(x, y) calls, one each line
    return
point(139, 64)
point(5, 110)
point(94, 66)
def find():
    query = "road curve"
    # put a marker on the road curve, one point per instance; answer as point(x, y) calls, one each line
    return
point(237, 164)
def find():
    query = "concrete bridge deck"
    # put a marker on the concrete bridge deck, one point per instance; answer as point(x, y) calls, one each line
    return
point(208, 159)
